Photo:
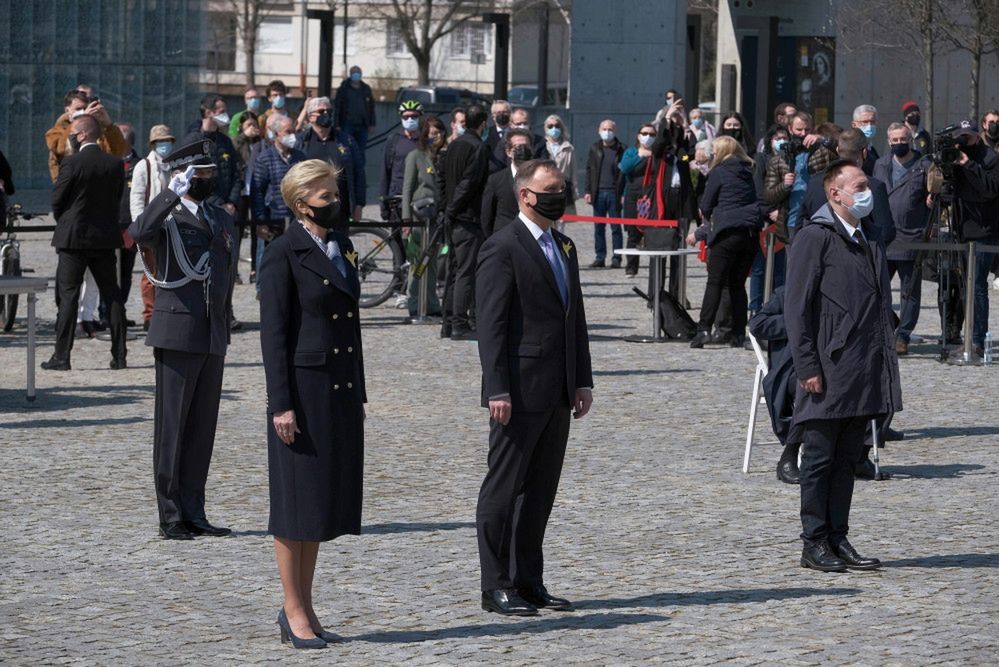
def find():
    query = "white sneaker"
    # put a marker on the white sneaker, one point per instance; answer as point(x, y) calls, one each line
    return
point(401, 301)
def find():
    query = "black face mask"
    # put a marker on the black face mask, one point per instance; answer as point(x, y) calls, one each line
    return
point(201, 188)
point(913, 119)
point(325, 119)
point(326, 216)
point(735, 133)
point(900, 150)
point(502, 119)
point(550, 205)
point(74, 143)
point(992, 129)
point(521, 153)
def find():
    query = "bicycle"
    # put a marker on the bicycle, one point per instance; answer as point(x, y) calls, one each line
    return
point(381, 263)
point(10, 261)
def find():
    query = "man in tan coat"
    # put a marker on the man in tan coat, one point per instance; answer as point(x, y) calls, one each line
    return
point(80, 100)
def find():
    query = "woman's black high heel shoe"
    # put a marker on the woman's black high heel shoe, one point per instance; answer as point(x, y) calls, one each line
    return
point(287, 634)
point(329, 637)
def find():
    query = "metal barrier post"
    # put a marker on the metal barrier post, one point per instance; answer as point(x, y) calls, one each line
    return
point(768, 279)
point(421, 311)
point(969, 302)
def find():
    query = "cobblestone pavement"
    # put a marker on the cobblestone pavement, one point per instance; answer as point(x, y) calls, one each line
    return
point(671, 553)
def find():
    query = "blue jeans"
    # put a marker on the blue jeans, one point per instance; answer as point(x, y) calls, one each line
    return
point(983, 266)
point(360, 135)
point(908, 307)
point(759, 274)
point(607, 205)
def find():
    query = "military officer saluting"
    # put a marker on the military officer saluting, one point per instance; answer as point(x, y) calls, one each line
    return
point(189, 331)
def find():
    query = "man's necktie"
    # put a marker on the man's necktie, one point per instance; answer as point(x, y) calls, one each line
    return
point(548, 247)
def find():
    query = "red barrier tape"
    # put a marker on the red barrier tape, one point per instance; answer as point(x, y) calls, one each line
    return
point(621, 221)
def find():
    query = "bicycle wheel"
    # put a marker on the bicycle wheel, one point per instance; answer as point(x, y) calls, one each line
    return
point(377, 260)
point(10, 265)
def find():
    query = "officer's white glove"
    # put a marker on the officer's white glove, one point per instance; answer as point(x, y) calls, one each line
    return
point(181, 183)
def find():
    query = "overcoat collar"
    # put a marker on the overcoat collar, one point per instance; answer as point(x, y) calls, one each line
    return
point(313, 258)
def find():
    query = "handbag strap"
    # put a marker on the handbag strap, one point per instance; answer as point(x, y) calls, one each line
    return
point(648, 172)
point(660, 181)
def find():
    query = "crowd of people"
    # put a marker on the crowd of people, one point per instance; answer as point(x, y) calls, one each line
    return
point(839, 212)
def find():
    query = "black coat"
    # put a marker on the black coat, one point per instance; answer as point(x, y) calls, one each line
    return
point(907, 199)
point(465, 167)
point(840, 323)
point(499, 202)
point(780, 383)
point(340, 103)
point(594, 165)
point(530, 345)
point(882, 225)
point(730, 200)
point(976, 195)
point(499, 159)
point(181, 319)
point(228, 163)
point(86, 200)
point(310, 337)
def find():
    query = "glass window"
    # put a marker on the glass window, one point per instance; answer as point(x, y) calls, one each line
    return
point(470, 39)
point(275, 36)
point(395, 45)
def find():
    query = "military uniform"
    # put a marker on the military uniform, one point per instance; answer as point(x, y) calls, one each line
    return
point(189, 332)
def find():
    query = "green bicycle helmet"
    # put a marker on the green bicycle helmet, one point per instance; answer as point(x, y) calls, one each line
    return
point(411, 105)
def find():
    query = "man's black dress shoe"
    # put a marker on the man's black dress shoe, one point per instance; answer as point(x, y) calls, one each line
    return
point(541, 598)
point(891, 435)
point(820, 557)
point(787, 471)
point(506, 601)
point(54, 364)
point(700, 339)
point(463, 334)
point(864, 470)
point(853, 560)
point(118, 364)
point(204, 528)
point(175, 530)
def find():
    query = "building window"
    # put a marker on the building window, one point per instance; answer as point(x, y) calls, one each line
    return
point(221, 33)
point(275, 36)
point(395, 44)
point(470, 40)
point(352, 38)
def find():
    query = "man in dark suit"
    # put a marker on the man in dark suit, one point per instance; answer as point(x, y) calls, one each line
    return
point(465, 168)
point(535, 357)
point(499, 201)
point(193, 242)
point(85, 203)
point(840, 330)
point(520, 119)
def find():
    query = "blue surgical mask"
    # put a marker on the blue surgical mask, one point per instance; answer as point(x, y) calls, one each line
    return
point(863, 204)
point(460, 130)
point(869, 130)
point(778, 145)
point(278, 102)
point(646, 140)
point(554, 132)
point(255, 104)
point(163, 148)
point(697, 122)
point(607, 135)
point(410, 124)
point(355, 76)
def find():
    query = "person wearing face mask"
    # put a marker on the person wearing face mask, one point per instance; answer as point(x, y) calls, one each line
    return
point(214, 127)
point(149, 179)
point(79, 102)
point(921, 139)
point(86, 200)
point(310, 339)
point(458, 124)
point(192, 241)
point(562, 153)
point(904, 171)
point(277, 97)
point(322, 141)
point(865, 119)
point(536, 370)
point(250, 144)
point(604, 189)
point(499, 200)
point(521, 119)
point(355, 109)
point(254, 104)
point(734, 125)
point(269, 168)
point(990, 129)
point(699, 128)
point(840, 328)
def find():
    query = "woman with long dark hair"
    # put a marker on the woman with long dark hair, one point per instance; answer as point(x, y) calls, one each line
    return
point(734, 125)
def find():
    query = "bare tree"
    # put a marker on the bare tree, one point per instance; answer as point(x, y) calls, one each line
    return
point(976, 31)
point(250, 14)
point(422, 23)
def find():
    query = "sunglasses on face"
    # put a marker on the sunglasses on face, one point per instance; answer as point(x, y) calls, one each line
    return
point(408, 116)
point(647, 134)
point(552, 125)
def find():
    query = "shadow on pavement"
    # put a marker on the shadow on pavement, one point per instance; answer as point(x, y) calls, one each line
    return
point(950, 431)
point(948, 560)
point(647, 371)
point(513, 627)
point(66, 398)
point(733, 596)
point(942, 471)
point(71, 423)
point(390, 528)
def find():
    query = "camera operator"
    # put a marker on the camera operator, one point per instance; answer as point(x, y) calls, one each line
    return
point(976, 213)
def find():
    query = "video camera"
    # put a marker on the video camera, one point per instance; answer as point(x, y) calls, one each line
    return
point(948, 152)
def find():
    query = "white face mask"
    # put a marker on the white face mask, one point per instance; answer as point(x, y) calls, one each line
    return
point(607, 135)
point(523, 126)
point(410, 124)
point(645, 140)
point(222, 118)
point(863, 204)
point(289, 140)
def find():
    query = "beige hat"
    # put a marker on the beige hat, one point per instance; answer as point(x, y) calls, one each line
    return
point(160, 133)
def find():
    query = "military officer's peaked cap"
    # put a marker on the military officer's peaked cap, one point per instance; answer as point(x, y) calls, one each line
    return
point(197, 154)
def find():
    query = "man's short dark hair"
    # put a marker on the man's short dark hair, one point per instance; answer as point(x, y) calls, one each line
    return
point(475, 116)
point(75, 95)
point(89, 125)
point(209, 101)
point(526, 171)
point(851, 141)
point(833, 171)
point(518, 132)
point(460, 110)
point(277, 86)
point(780, 109)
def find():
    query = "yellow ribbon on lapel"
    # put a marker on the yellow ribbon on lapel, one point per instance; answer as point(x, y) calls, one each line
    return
point(352, 258)
point(566, 247)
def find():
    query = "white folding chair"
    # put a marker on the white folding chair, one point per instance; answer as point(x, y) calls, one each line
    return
point(758, 399)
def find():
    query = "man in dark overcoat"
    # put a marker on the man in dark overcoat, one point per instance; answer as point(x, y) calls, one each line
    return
point(535, 357)
point(193, 241)
point(841, 331)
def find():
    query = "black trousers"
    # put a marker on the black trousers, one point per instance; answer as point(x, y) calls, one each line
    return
point(459, 291)
point(188, 390)
point(516, 498)
point(830, 449)
point(69, 276)
point(729, 261)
